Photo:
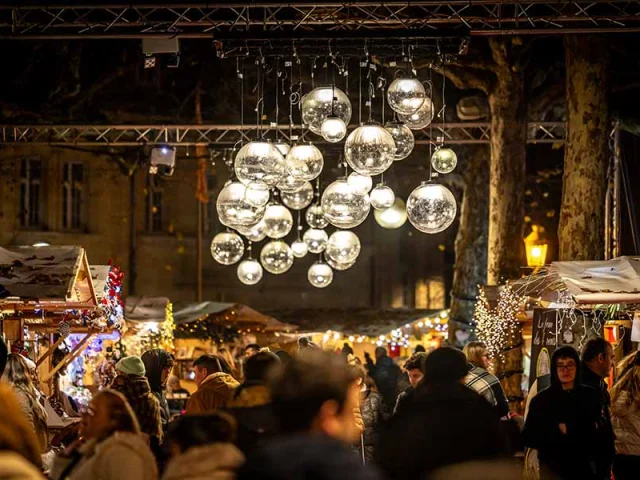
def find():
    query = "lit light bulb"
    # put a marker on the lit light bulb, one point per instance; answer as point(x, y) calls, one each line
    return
point(250, 271)
point(333, 129)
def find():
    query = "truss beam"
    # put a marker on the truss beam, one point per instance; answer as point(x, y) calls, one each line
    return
point(229, 135)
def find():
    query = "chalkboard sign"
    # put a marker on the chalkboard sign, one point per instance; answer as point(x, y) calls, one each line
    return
point(553, 328)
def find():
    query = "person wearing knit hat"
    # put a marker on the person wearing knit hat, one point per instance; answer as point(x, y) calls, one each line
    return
point(131, 382)
point(131, 366)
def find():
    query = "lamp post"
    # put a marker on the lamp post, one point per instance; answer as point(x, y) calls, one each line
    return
point(536, 247)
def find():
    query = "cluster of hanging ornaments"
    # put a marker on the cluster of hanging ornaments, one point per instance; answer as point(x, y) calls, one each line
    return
point(251, 207)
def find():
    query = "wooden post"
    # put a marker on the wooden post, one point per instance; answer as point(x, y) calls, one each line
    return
point(70, 357)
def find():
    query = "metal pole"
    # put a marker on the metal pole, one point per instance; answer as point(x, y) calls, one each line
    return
point(132, 231)
point(615, 251)
point(198, 112)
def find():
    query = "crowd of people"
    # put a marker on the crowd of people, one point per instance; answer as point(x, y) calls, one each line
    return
point(323, 415)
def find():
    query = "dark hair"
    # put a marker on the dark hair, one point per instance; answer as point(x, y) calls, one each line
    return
point(257, 366)
point(415, 361)
point(191, 431)
point(305, 384)
point(253, 346)
point(308, 344)
point(593, 348)
point(420, 349)
point(566, 351)
point(213, 364)
point(284, 356)
point(380, 351)
point(155, 361)
point(444, 365)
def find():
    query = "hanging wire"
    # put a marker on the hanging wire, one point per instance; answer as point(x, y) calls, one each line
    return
point(360, 93)
point(240, 74)
point(430, 126)
point(277, 96)
point(299, 224)
point(444, 104)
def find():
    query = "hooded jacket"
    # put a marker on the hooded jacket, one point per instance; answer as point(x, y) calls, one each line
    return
point(144, 404)
point(217, 461)
point(571, 455)
point(155, 361)
point(214, 392)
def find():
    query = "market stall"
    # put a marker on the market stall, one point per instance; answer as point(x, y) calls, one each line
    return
point(149, 325)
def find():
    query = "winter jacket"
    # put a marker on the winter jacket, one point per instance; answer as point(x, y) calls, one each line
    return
point(122, 456)
point(155, 361)
point(488, 385)
point(443, 425)
point(625, 415)
point(373, 417)
point(386, 374)
point(145, 405)
point(404, 399)
point(217, 461)
point(15, 467)
point(309, 457)
point(214, 392)
point(250, 404)
point(39, 425)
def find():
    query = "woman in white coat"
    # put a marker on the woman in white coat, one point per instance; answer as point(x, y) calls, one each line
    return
point(111, 445)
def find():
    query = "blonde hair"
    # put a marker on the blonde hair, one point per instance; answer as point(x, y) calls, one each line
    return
point(18, 374)
point(16, 435)
point(474, 352)
point(628, 380)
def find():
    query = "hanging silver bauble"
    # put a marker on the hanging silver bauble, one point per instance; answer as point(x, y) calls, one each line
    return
point(253, 233)
point(227, 248)
point(393, 217)
point(420, 119)
point(250, 271)
point(344, 206)
point(299, 248)
point(444, 160)
point(290, 184)
point(403, 136)
point(340, 266)
point(343, 246)
point(277, 221)
point(282, 147)
point(431, 207)
point(257, 195)
point(406, 95)
point(233, 208)
point(320, 275)
point(333, 129)
point(361, 183)
point(316, 240)
point(370, 150)
point(300, 199)
point(276, 257)
point(322, 102)
point(304, 162)
point(259, 164)
point(382, 197)
point(315, 217)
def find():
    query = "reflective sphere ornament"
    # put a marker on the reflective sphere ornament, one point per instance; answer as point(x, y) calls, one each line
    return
point(340, 266)
point(382, 197)
point(420, 119)
point(299, 248)
point(431, 208)
point(333, 129)
point(320, 275)
point(300, 199)
point(250, 271)
point(406, 95)
point(290, 184)
point(257, 197)
point(370, 150)
point(403, 136)
point(344, 206)
point(343, 247)
point(393, 217)
point(321, 103)
point(259, 165)
point(254, 233)
point(315, 217)
point(361, 183)
point(304, 162)
point(233, 208)
point(444, 160)
point(316, 240)
point(277, 221)
point(282, 147)
point(276, 257)
point(227, 248)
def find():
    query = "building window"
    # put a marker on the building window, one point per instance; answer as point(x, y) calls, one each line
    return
point(154, 205)
point(73, 216)
point(31, 198)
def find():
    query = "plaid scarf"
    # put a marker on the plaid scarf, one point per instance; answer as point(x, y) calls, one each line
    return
point(145, 405)
point(487, 385)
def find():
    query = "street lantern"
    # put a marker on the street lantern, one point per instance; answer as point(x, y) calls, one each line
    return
point(536, 247)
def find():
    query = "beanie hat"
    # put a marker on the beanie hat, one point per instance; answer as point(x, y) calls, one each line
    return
point(131, 365)
point(445, 365)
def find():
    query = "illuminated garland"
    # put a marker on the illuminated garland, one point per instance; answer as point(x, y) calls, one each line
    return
point(497, 327)
point(151, 336)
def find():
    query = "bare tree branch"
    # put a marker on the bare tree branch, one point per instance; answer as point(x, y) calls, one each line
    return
point(466, 78)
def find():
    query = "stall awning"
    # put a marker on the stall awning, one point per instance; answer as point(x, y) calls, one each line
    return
point(146, 309)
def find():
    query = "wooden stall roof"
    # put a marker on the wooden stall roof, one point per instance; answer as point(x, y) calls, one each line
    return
point(354, 321)
point(228, 313)
point(46, 277)
point(99, 277)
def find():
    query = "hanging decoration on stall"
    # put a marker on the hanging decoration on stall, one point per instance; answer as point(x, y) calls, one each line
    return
point(268, 180)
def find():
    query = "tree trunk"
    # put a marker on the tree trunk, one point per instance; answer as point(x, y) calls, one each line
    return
point(471, 241)
point(581, 227)
point(507, 182)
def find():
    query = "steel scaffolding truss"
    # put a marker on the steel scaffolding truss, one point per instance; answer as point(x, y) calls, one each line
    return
point(41, 20)
point(229, 135)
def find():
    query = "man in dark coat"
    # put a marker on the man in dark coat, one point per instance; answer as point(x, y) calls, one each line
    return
point(3, 355)
point(414, 368)
point(597, 361)
point(446, 423)
point(386, 374)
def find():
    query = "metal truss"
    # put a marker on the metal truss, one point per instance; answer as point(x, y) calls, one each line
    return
point(73, 20)
point(228, 135)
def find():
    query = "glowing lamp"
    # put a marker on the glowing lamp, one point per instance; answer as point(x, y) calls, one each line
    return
point(536, 247)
